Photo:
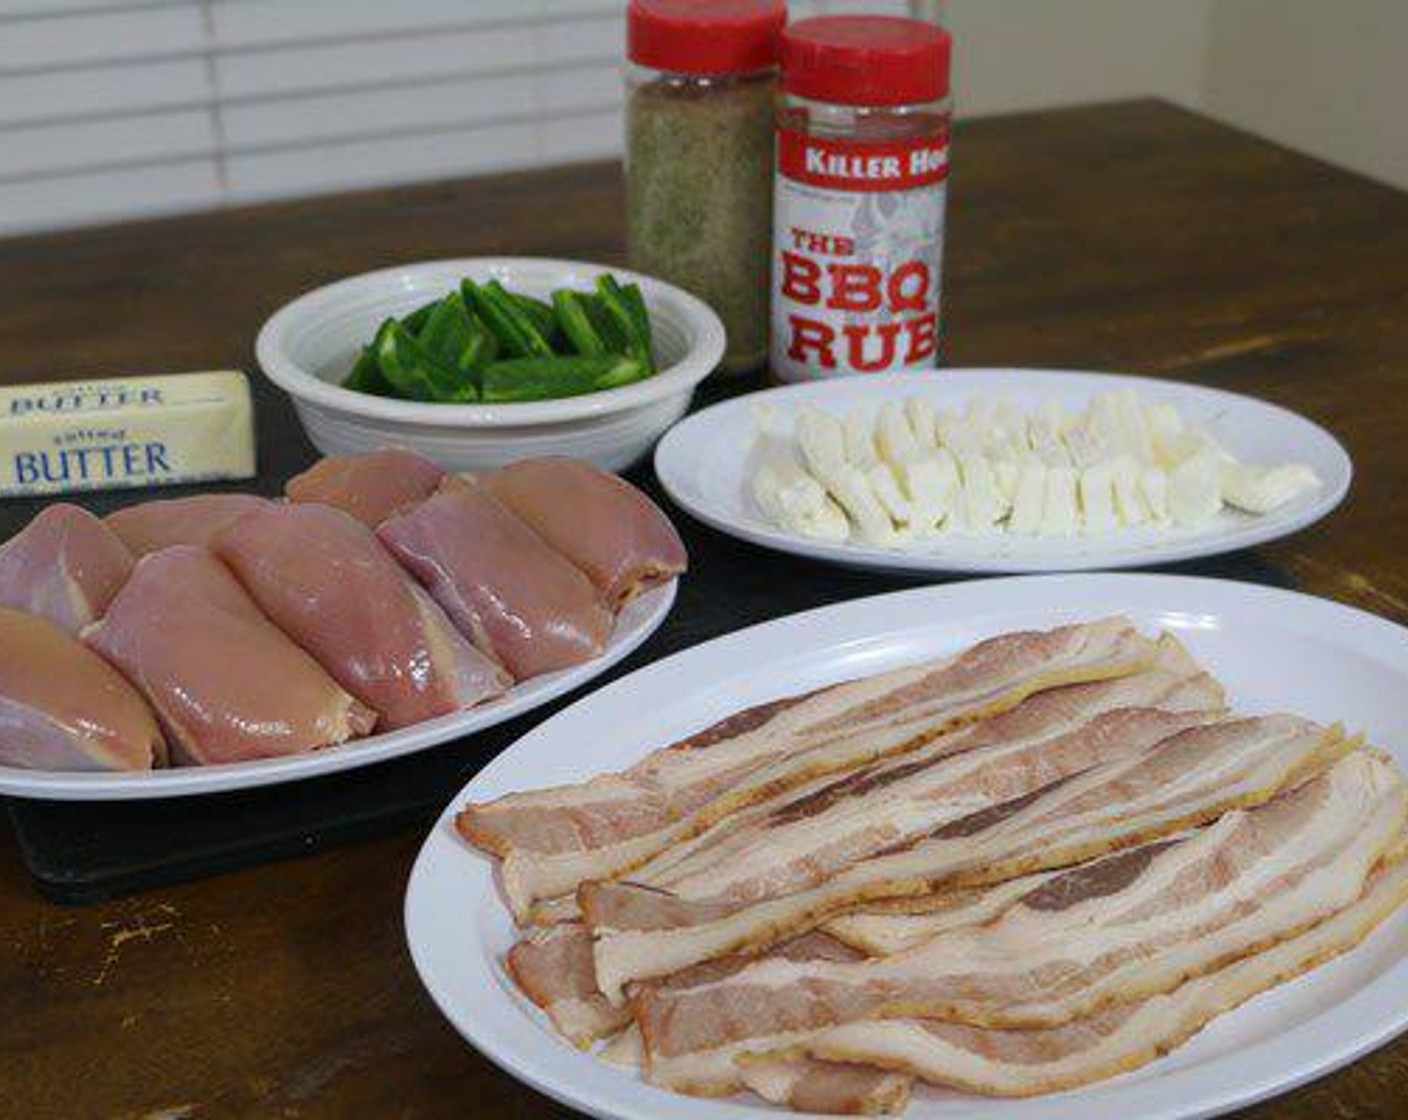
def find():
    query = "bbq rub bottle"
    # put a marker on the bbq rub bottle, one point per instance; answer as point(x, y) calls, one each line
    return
point(858, 211)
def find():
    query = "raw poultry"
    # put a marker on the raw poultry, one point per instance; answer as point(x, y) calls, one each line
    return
point(252, 628)
point(152, 526)
point(62, 707)
point(65, 566)
point(323, 579)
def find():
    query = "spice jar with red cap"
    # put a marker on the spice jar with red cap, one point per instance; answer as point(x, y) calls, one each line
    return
point(858, 230)
point(702, 88)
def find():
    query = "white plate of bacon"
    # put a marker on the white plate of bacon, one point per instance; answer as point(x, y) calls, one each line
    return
point(228, 641)
point(981, 850)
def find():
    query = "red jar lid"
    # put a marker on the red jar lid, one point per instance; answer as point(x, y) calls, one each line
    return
point(866, 60)
point(705, 36)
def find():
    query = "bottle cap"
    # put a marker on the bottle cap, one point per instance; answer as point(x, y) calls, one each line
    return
point(705, 37)
point(866, 60)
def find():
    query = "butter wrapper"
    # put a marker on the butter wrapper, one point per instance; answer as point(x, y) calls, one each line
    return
point(110, 433)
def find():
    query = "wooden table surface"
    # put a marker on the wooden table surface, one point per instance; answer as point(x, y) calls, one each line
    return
point(1127, 237)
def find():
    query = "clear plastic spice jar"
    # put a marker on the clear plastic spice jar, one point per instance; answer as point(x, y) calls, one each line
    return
point(863, 133)
point(702, 88)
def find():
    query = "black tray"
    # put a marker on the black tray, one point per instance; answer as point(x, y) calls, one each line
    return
point(85, 852)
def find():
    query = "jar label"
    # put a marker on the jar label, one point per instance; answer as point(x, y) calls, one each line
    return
point(858, 232)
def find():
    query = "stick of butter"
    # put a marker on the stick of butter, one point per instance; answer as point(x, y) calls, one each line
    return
point(129, 431)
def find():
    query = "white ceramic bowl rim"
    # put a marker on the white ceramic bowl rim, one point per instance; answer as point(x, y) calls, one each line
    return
point(705, 352)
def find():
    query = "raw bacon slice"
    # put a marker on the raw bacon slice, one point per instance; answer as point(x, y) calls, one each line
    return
point(624, 1049)
point(370, 487)
point(65, 565)
point(1185, 780)
point(802, 1083)
point(1023, 1063)
point(794, 841)
point(519, 601)
point(152, 526)
point(227, 684)
point(600, 522)
point(554, 839)
point(553, 967)
point(878, 933)
point(807, 1084)
point(1126, 927)
point(722, 1070)
point(62, 707)
point(326, 581)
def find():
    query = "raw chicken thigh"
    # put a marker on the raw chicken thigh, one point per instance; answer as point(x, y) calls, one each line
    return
point(519, 600)
point(602, 524)
point(327, 582)
point(152, 526)
point(65, 566)
point(228, 685)
point(62, 707)
point(370, 487)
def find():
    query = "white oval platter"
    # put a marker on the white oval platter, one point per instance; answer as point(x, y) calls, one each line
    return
point(1272, 649)
point(705, 462)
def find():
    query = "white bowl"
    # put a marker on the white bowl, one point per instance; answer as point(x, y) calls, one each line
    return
point(308, 346)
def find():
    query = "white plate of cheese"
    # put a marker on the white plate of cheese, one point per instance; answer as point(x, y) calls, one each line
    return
point(1002, 470)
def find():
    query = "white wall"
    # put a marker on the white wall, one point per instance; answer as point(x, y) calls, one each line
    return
point(1328, 79)
point(112, 109)
point(1034, 54)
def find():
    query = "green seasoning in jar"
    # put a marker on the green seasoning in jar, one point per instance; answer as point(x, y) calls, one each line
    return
point(699, 156)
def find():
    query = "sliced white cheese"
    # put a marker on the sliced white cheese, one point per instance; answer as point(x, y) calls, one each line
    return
point(1260, 489)
point(1099, 422)
point(1130, 425)
point(1088, 443)
point(955, 433)
point(931, 483)
point(822, 442)
point(768, 484)
point(1029, 502)
point(886, 488)
point(894, 438)
point(1165, 427)
point(1190, 443)
point(795, 501)
point(1097, 499)
point(1195, 490)
point(1060, 513)
point(980, 506)
point(860, 437)
point(1130, 506)
point(1153, 489)
point(1006, 473)
point(1046, 435)
point(852, 491)
point(980, 413)
point(920, 414)
point(825, 522)
point(1005, 436)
